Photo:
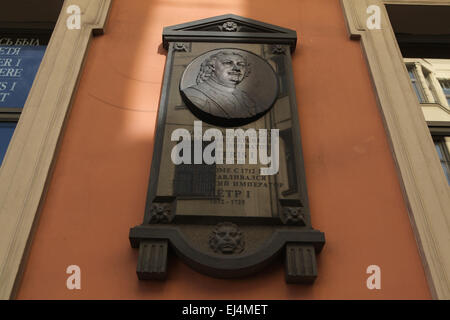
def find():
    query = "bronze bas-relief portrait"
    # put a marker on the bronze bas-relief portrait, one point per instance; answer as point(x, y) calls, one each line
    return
point(216, 91)
point(225, 87)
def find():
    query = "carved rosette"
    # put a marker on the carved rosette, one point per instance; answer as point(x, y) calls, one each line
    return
point(227, 238)
point(161, 213)
point(230, 26)
point(292, 216)
point(278, 49)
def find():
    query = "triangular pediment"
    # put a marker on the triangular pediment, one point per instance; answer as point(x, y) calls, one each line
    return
point(229, 28)
point(229, 23)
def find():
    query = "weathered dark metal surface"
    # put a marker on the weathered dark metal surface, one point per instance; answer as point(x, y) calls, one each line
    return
point(228, 219)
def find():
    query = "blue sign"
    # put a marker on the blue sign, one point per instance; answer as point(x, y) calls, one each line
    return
point(18, 67)
point(6, 132)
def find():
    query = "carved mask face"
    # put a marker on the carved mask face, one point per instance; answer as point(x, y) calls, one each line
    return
point(227, 239)
point(229, 70)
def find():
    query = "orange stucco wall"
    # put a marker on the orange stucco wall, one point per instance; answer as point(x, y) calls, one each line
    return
point(100, 180)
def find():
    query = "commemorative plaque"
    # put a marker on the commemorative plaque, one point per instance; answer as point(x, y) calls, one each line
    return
point(227, 190)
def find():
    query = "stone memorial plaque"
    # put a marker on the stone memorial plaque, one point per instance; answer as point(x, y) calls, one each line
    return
point(227, 189)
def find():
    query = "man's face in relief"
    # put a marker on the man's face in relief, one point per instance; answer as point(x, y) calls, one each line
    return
point(230, 70)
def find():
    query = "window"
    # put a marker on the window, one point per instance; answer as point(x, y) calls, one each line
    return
point(415, 82)
point(445, 85)
point(444, 157)
point(20, 57)
point(429, 80)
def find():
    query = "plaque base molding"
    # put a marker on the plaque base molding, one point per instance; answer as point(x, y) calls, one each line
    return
point(152, 261)
point(299, 248)
point(300, 264)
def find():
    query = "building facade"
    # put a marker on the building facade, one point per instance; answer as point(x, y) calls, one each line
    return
point(374, 121)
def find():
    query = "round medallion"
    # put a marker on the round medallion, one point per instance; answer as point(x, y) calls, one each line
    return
point(229, 87)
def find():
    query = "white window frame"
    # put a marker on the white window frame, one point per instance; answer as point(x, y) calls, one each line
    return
point(424, 69)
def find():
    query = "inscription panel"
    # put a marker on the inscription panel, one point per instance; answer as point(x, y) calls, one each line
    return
point(230, 189)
